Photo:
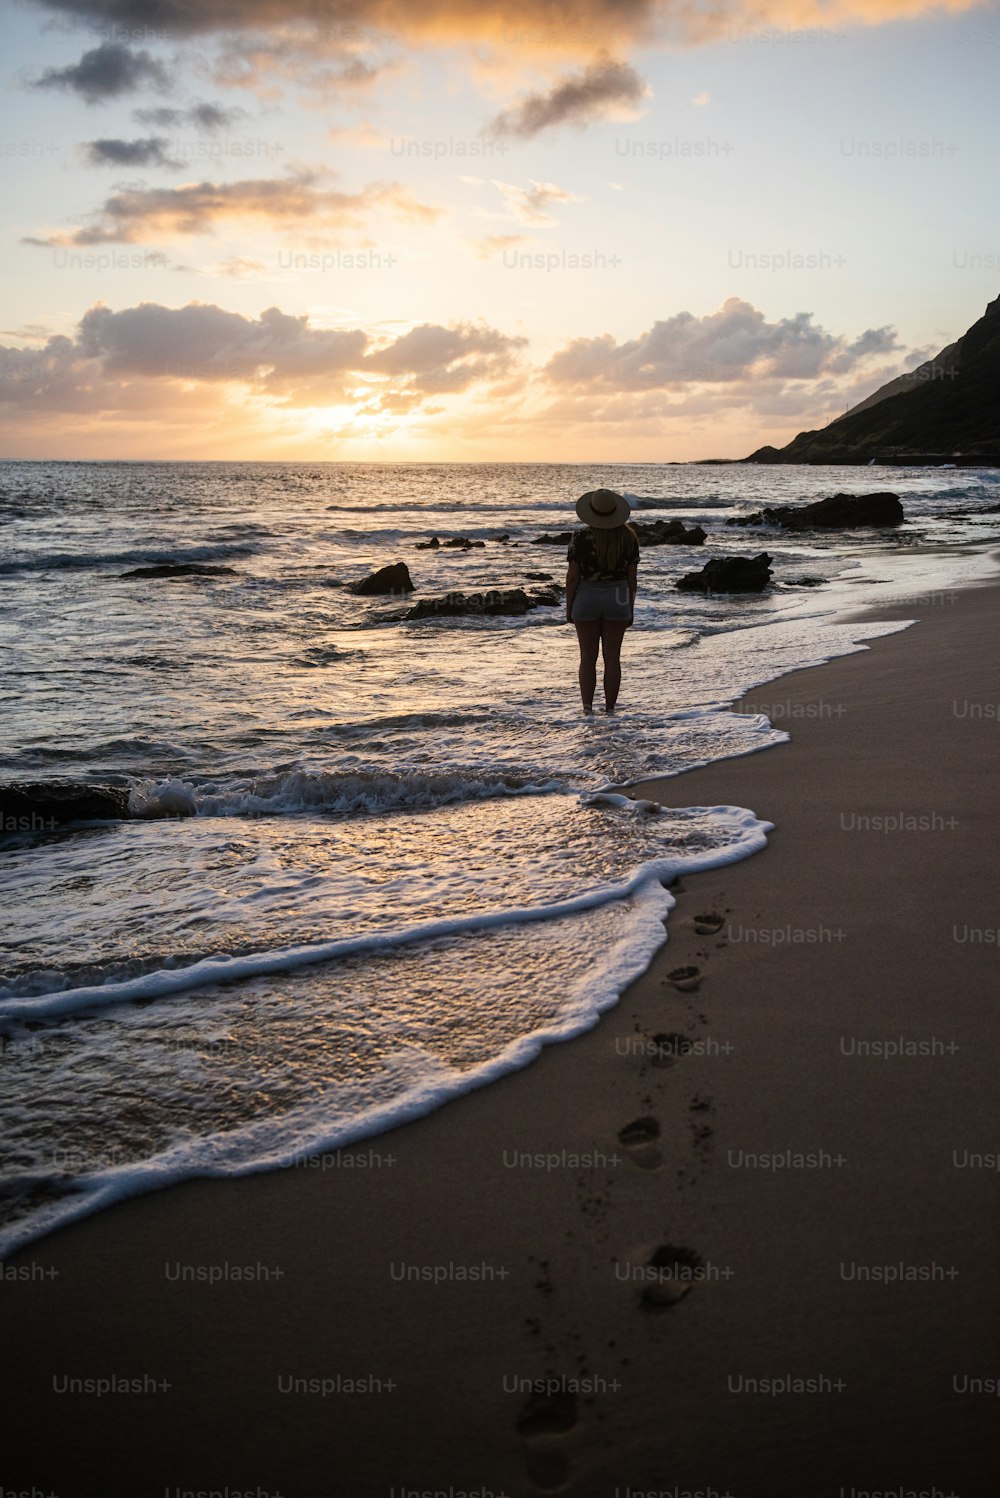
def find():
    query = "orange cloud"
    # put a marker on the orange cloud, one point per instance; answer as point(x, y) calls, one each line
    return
point(572, 28)
point(142, 215)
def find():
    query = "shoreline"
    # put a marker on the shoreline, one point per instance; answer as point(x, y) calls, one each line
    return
point(561, 1249)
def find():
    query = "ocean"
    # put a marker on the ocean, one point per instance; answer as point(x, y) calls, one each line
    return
point(371, 864)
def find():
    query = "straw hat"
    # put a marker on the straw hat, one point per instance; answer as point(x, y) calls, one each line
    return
point(603, 509)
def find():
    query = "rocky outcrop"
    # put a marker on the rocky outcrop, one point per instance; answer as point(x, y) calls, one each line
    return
point(392, 579)
point(729, 575)
point(840, 512)
point(180, 569)
point(668, 533)
point(492, 601)
point(41, 806)
point(946, 411)
point(455, 543)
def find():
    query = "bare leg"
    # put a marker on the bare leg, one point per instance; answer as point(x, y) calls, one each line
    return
point(612, 634)
point(589, 636)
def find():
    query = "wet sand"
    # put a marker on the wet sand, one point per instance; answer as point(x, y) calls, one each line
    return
point(594, 1276)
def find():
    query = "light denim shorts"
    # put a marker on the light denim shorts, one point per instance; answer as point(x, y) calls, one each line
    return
point(595, 601)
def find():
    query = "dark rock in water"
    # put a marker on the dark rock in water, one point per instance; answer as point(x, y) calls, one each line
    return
point(562, 538)
point(41, 806)
point(493, 601)
point(503, 536)
point(539, 577)
point(729, 575)
point(547, 597)
point(456, 543)
point(804, 582)
point(841, 512)
point(392, 579)
point(180, 569)
point(668, 533)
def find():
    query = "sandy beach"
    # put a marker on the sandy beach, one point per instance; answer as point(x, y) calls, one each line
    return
point(741, 1238)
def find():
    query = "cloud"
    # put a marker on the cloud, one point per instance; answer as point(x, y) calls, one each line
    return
point(140, 215)
point(364, 135)
point(320, 60)
point(106, 72)
point(700, 100)
point(492, 245)
point(240, 268)
point(438, 360)
point(576, 27)
point(719, 384)
point(204, 342)
point(33, 331)
point(872, 342)
point(725, 382)
point(734, 344)
point(118, 357)
point(529, 204)
point(207, 117)
point(605, 90)
point(152, 151)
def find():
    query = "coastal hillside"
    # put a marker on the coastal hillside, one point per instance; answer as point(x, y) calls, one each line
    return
point(946, 411)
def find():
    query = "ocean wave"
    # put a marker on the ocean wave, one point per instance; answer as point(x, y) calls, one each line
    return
point(128, 747)
point(341, 791)
point(314, 1130)
point(315, 657)
point(452, 506)
point(744, 834)
point(67, 561)
point(693, 502)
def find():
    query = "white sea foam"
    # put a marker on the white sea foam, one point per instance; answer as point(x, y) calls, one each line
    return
point(329, 1124)
point(745, 835)
point(322, 791)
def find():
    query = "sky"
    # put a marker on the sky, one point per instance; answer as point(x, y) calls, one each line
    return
point(604, 230)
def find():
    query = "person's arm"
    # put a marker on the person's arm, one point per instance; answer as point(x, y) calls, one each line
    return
point(633, 582)
point(572, 583)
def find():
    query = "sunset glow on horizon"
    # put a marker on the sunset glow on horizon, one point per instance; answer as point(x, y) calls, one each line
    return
point(297, 231)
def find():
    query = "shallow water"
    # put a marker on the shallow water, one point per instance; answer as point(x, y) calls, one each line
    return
point(380, 879)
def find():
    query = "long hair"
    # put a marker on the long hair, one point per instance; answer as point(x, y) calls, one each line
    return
point(611, 546)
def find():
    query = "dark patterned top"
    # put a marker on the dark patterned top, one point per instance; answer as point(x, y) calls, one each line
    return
point(583, 552)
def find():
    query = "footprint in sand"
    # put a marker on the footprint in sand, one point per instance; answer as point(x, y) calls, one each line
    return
point(677, 1270)
point(543, 1420)
point(639, 1138)
point(708, 925)
point(669, 1046)
point(686, 979)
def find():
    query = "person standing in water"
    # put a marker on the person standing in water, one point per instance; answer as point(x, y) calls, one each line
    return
point(601, 584)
